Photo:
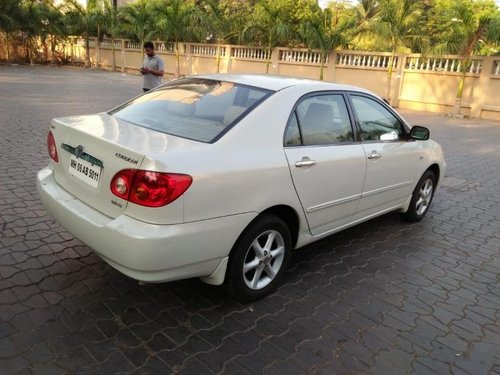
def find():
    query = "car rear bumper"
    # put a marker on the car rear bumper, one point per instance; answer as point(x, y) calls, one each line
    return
point(143, 251)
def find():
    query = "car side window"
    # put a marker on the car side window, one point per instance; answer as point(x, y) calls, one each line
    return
point(319, 120)
point(292, 133)
point(375, 121)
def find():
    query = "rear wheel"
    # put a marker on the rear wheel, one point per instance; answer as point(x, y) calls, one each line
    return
point(259, 259)
point(421, 198)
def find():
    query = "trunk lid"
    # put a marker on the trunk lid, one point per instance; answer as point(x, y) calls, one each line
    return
point(93, 148)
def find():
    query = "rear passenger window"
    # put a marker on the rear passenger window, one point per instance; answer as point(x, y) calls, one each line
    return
point(319, 120)
point(292, 134)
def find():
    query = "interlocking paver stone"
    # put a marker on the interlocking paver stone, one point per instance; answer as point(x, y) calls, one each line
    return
point(383, 297)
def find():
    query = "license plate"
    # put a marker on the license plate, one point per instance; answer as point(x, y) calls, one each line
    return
point(85, 171)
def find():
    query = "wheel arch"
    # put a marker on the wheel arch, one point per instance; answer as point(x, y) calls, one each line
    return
point(283, 212)
point(276, 218)
point(434, 168)
point(289, 217)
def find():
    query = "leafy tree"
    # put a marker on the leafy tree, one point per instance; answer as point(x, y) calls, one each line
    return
point(53, 29)
point(137, 21)
point(82, 21)
point(8, 11)
point(112, 24)
point(32, 20)
point(396, 26)
point(326, 32)
point(365, 15)
point(178, 20)
point(10, 19)
point(225, 19)
point(269, 26)
point(467, 26)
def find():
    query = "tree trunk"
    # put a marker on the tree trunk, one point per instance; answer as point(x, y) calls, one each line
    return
point(389, 76)
point(458, 100)
point(177, 61)
point(46, 50)
point(218, 56)
point(87, 52)
point(322, 68)
point(113, 52)
point(72, 51)
point(29, 51)
point(268, 62)
point(52, 50)
point(8, 46)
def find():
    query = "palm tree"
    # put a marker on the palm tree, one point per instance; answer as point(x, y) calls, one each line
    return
point(32, 25)
point(268, 25)
point(53, 29)
point(8, 11)
point(221, 26)
point(366, 10)
point(9, 20)
point(82, 21)
point(468, 29)
point(365, 14)
point(136, 20)
point(397, 24)
point(178, 20)
point(325, 34)
point(111, 19)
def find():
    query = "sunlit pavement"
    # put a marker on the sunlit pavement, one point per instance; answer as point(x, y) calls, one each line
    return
point(386, 297)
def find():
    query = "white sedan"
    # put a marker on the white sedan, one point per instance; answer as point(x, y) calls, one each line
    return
point(221, 176)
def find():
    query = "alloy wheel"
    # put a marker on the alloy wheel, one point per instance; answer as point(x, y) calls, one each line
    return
point(263, 259)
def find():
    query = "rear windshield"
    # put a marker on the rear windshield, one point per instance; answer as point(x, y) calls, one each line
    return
point(193, 108)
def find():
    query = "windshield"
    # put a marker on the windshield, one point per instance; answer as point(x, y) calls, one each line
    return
point(193, 108)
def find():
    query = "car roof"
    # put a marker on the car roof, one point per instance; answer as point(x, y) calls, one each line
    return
point(277, 83)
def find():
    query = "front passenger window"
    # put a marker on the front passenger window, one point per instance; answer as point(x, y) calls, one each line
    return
point(375, 121)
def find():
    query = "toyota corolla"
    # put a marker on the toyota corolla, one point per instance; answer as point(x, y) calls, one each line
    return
point(222, 176)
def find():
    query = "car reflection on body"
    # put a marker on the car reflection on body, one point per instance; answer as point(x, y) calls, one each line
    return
point(221, 176)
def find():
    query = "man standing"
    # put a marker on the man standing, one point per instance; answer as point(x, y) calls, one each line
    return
point(152, 68)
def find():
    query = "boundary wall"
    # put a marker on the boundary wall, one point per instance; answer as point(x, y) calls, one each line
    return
point(418, 82)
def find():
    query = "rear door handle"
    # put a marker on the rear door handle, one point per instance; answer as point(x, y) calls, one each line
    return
point(374, 155)
point(305, 163)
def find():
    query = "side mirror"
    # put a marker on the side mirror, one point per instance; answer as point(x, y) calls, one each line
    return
point(420, 133)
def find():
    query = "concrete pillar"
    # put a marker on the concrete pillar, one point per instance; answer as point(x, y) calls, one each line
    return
point(481, 87)
point(124, 56)
point(98, 52)
point(329, 73)
point(228, 60)
point(274, 66)
point(398, 79)
point(397, 75)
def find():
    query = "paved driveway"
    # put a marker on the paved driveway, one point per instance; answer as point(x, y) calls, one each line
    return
point(386, 297)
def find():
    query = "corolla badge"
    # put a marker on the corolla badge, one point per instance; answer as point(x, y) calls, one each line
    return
point(78, 151)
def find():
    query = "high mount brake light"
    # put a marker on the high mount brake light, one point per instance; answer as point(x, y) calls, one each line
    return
point(51, 146)
point(148, 188)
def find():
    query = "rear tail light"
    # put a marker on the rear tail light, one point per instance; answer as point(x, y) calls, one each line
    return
point(51, 146)
point(147, 188)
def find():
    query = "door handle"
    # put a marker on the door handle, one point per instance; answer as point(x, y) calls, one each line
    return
point(305, 163)
point(374, 155)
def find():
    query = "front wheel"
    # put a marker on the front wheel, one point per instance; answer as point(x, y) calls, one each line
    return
point(259, 259)
point(421, 198)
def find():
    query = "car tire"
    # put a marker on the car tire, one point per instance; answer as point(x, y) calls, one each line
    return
point(421, 197)
point(259, 259)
